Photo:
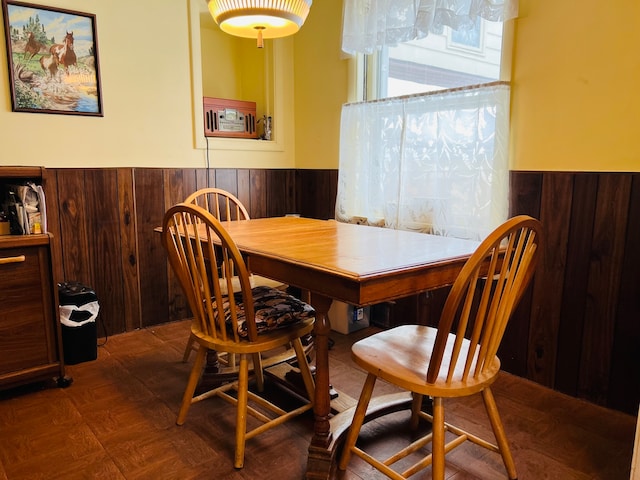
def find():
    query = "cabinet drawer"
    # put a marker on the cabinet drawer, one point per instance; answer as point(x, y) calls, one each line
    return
point(26, 313)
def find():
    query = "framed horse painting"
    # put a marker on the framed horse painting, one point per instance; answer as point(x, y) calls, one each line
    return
point(52, 55)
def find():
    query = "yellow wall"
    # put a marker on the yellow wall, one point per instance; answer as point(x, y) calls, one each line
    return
point(575, 104)
point(244, 71)
point(152, 88)
point(143, 49)
point(220, 82)
point(321, 86)
point(575, 97)
point(575, 94)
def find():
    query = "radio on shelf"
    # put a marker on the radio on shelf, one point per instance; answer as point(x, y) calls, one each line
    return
point(229, 118)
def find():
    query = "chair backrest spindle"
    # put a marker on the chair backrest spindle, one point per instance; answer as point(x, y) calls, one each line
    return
point(483, 298)
point(222, 204)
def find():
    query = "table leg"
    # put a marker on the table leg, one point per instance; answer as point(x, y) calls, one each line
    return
point(320, 452)
point(328, 431)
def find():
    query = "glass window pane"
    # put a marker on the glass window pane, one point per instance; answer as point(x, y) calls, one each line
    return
point(440, 61)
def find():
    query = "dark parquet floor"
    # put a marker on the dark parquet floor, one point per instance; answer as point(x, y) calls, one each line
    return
point(117, 421)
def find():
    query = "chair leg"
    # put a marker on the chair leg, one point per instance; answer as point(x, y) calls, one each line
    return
point(258, 371)
point(231, 360)
point(192, 383)
point(305, 371)
point(188, 348)
point(498, 431)
point(241, 412)
point(437, 472)
point(416, 406)
point(358, 420)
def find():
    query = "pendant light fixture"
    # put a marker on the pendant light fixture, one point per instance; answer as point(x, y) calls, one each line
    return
point(260, 19)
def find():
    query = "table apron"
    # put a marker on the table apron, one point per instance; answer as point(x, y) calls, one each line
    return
point(357, 291)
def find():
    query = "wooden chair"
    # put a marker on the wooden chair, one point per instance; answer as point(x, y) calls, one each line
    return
point(456, 359)
point(247, 323)
point(225, 207)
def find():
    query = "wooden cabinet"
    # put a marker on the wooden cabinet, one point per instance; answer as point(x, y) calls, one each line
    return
point(30, 340)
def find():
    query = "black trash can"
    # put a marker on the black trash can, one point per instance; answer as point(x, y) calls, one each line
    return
point(79, 309)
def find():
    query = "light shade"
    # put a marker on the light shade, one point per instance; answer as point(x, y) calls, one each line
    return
point(260, 18)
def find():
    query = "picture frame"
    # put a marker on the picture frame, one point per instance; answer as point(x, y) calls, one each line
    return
point(52, 56)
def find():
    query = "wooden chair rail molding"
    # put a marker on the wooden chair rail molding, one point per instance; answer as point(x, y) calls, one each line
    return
point(103, 219)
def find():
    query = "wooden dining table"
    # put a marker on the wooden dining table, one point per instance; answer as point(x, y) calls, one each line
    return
point(357, 264)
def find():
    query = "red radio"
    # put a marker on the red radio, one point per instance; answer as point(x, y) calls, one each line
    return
point(229, 118)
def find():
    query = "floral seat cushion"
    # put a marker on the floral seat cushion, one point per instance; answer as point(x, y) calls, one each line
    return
point(273, 308)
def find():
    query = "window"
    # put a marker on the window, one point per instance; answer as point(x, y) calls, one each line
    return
point(427, 148)
point(451, 59)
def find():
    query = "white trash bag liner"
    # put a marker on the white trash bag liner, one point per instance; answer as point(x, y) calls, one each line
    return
point(91, 308)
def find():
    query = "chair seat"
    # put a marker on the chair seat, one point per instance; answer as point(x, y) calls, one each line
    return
point(401, 356)
point(274, 309)
point(265, 341)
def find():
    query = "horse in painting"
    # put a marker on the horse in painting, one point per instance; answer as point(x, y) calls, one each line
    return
point(32, 47)
point(63, 52)
point(49, 65)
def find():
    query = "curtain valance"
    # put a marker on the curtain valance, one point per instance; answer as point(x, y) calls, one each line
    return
point(371, 24)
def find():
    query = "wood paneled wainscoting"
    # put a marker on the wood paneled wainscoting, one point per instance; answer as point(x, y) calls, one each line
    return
point(577, 331)
point(103, 220)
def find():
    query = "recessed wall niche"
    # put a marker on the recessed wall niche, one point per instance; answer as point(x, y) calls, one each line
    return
point(224, 66)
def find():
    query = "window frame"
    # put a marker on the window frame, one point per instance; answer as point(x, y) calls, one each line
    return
point(367, 72)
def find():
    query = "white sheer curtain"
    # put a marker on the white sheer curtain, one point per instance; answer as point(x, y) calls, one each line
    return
point(370, 24)
point(435, 163)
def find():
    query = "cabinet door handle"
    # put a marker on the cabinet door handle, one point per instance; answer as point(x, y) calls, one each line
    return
point(18, 259)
